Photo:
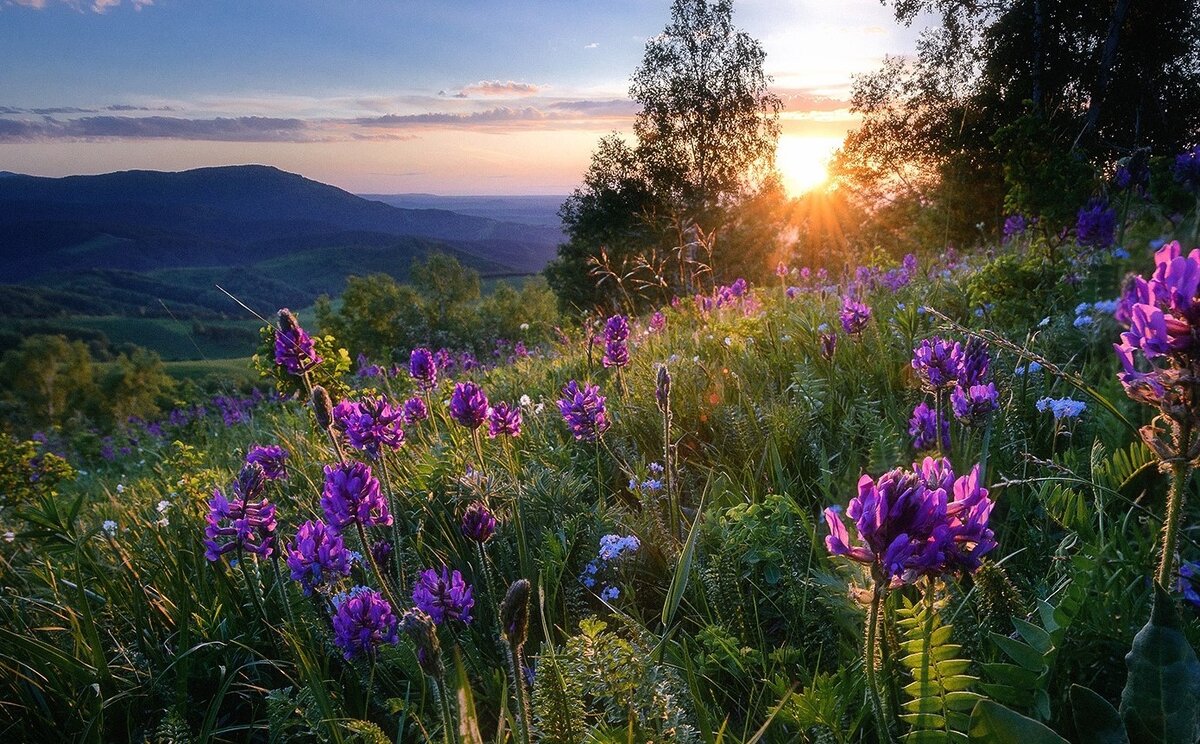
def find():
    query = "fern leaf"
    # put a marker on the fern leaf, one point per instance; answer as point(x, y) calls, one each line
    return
point(940, 697)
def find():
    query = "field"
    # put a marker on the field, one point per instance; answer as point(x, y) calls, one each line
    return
point(649, 565)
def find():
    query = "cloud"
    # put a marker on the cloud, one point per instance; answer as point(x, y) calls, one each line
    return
point(96, 6)
point(593, 45)
point(501, 88)
point(240, 129)
point(500, 114)
point(618, 107)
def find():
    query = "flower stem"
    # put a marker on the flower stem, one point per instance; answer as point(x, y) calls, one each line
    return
point(366, 549)
point(478, 447)
point(1180, 471)
point(881, 726)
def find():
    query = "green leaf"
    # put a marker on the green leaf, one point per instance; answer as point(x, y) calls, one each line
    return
point(993, 723)
point(1161, 699)
point(1095, 718)
point(1034, 636)
point(683, 569)
point(1023, 654)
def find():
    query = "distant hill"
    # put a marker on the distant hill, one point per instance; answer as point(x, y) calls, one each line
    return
point(134, 240)
point(527, 210)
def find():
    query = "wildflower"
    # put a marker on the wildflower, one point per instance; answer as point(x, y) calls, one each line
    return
point(974, 363)
point(120, 488)
point(927, 429)
point(316, 555)
point(781, 269)
point(322, 408)
point(109, 526)
point(162, 506)
point(423, 368)
point(972, 404)
point(444, 596)
point(514, 613)
point(584, 411)
point(739, 288)
point(613, 547)
point(655, 468)
point(658, 321)
point(421, 629)
point(791, 292)
point(478, 523)
point(503, 420)
point(9, 535)
point(246, 523)
point(854, 316)
point(616, 342)
point(370, 424)
point(469, 405)
point(294, 348)
point(1062, 408)
point(1189, 583)
point(272, 459)
point(363, 621)
point(1030, 368)
point(381, 552)
point(610, 593)
point(828, 343)
point(938, 362)
point(1096, 225)
point(351, 496)
point(415, 410)
point(662, 388)
point(1014, 226)
point(1186, 169)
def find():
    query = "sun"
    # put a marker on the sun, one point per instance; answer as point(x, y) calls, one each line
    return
point(803, 161)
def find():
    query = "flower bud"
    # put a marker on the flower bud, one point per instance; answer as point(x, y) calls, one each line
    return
point(322, 407)
point(662, 391)
point(420, 628)
point(514, 613)
point(287, 321)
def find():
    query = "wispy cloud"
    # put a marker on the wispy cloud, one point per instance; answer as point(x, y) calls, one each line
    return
point(242, 129)
point(95, 6)
point(501, 88)
point(593, 45)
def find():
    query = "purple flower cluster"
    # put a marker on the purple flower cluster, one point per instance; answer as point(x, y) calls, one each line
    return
point(245, 523)
point(504, 420)
point(368, 370)
point(854, 316)
point(1163, 312)
point(294, 348)
point(1189, 583)
point(478, 522)
point(423, 368)
point(415, 410)
point(616, 342)
point(584, 410)
point(914, 523)
point(828, 343)
point(1186, 169)
point(1096, 225)
point(362, 621)
point(927, 429)
point(370, 425)
point(272, 458)
point(469, 405)
point(937, 362)
point(658, 321)
point(444, 596)
point(973, 403)
point(351, 496)
point(732, 295)
point(1014, 227)
point(896, 279)
point(317, 555)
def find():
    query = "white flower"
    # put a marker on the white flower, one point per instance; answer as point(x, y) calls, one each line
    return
point(524, 326)
point(164, 522)
point(785, 338)
point(696, 359)
point(120, 488)
point(10, 536)
point(539, 408)
point(525, 401)
point(109, 526)
point(163, 506)
point(1045, 322)
point(728, 341)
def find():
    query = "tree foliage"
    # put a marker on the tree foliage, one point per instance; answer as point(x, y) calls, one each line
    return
point(704, 144)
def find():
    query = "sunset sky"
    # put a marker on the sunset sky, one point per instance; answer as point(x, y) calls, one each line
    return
point(387, 96)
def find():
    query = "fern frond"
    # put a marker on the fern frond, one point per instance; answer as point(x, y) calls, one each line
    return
point(940, 697)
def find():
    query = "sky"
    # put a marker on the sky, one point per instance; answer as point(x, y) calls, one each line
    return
point(388, 96)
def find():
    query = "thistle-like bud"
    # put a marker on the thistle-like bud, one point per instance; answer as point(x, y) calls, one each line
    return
point(322, 407)
point(251, 481)
point(420, 628)
point(514, 613)
point(287, 321)
point(662, 391)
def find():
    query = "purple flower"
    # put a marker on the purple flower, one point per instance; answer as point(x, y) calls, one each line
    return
point(370, 425)
point(415, 410)
point(294, 348)
point(351, 496)
point(926, 430)
point(908, 525)
point(423, 368)
point(1189, 583)
point(972, 404)
point(974, 363)
point(854, 316)
point(503, 420)
point(828, 345)
point(271, 457)
point(362, 621)
point(1096, 225)
point(381, 552)
point(616, 342)
point(468, 405)
point(791, 292)
point(739, 288)
point(317, 555)
point(1014, 226)
point(478, 522)
point(937, 362)
point(782, 270)
point(444, 596)
point(658, 321)
point(1187, 169)
point(245, 523)
point(584, 411)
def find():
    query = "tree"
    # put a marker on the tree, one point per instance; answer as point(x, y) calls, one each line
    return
point(705, 133)
point(449, 291)
point(376, 316)
point(49, 378)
